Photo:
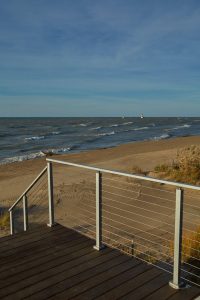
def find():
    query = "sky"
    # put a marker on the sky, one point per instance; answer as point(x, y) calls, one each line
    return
point(99, 58)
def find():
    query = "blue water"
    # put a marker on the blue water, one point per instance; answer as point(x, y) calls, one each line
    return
point(26, 138)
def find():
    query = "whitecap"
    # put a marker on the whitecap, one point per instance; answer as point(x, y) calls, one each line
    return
point(127, 123)
point(22, 158)
point(34, 138)
point(57, 151)
point(181, 126)
point(96, 128)
point(114, 125)
point(140, 128)
point(106, 133)
point(161, 137)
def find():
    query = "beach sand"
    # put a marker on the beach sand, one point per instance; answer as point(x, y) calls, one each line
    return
point(137, 215)
point(15, 177)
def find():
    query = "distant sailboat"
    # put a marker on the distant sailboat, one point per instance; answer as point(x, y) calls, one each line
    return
point(141, 116)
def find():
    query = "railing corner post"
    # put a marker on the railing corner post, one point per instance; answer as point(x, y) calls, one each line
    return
point(11, 223)
point(176, 282)
point(25, 212)
point(99, 246)
point(50, 194)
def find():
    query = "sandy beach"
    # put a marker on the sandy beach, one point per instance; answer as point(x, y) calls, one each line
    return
point(15, 177)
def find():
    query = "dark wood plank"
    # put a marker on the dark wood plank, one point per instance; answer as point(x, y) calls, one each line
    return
point(59, 263)
point(32, 276)
point(186, 294)
point(22, 234)
point(122, 271)
point(148, 287)
point(48, 249)
point(131, 284)
point(38, 265)
point(82, 273)
point(26, 235)
point(109, 281)
point(10, 247)
point(47, 279)
point(162, 293)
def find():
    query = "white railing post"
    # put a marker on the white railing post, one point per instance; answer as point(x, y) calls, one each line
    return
point(176, 283)
point(11, 223)
point(50, 193)
point(25, 212)
point(98, 245)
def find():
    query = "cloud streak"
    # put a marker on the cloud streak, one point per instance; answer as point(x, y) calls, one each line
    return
point(123, 49)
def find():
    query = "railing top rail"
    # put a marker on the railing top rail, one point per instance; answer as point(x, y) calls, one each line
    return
point(28, 188)
point(146, 178)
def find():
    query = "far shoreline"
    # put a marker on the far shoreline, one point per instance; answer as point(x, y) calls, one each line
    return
point(16, 176)
point(74, 152)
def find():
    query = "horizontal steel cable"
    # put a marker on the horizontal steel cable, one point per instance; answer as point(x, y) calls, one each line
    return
point(130, 212)
point(34, 189)
point(194, 197)
point(188, 264)
point(93, 213)
point(124, 203)
point(136, 221)
point(157, 197)
point(141, 185)
point(190, 281)
point(190, 273)
point(135, 235)
point(185, 212)
point(165, 207)
point(138, 251)
point(132, 227)
point(87, 218)
point(136, 243)
point(92, 225)
point(150, 263)
point(118, 188)
point(81, 225)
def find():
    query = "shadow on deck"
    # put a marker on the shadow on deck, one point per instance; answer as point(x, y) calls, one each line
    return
point(58, 263)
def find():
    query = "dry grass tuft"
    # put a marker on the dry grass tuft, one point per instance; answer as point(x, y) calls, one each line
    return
point(185, 168)
point(190, 246)
point(4, 220)
point(136, 170)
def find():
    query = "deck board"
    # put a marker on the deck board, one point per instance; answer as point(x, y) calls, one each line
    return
point(59, 263)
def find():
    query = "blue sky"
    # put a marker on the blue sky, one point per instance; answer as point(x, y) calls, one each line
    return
point(99, 58)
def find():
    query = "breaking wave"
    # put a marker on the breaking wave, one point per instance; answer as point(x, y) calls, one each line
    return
point(35, 138)
point(22, 158)
point(106, 133)
point(162, 137)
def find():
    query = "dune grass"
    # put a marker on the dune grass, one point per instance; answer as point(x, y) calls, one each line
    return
point(4, 220)
point(185, 168)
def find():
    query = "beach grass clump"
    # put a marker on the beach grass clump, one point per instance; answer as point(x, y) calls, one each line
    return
point(137, 170)
point(190, 246)
point(4, 220)
point(185, 168)
point(161, 168)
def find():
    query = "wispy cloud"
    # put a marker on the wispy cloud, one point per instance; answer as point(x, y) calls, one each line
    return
point(128, 50)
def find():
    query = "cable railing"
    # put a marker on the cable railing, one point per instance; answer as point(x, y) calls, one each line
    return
point(31, 208)
point(151, 219)
point(156, 221)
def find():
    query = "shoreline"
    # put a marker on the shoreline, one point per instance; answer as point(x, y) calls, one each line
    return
point(15, 177)
point(43, 154)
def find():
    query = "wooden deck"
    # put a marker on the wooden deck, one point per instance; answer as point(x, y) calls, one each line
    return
point(58, 263)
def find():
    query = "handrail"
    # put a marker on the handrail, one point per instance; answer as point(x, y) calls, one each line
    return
point(147, 178)
point(28, 188)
